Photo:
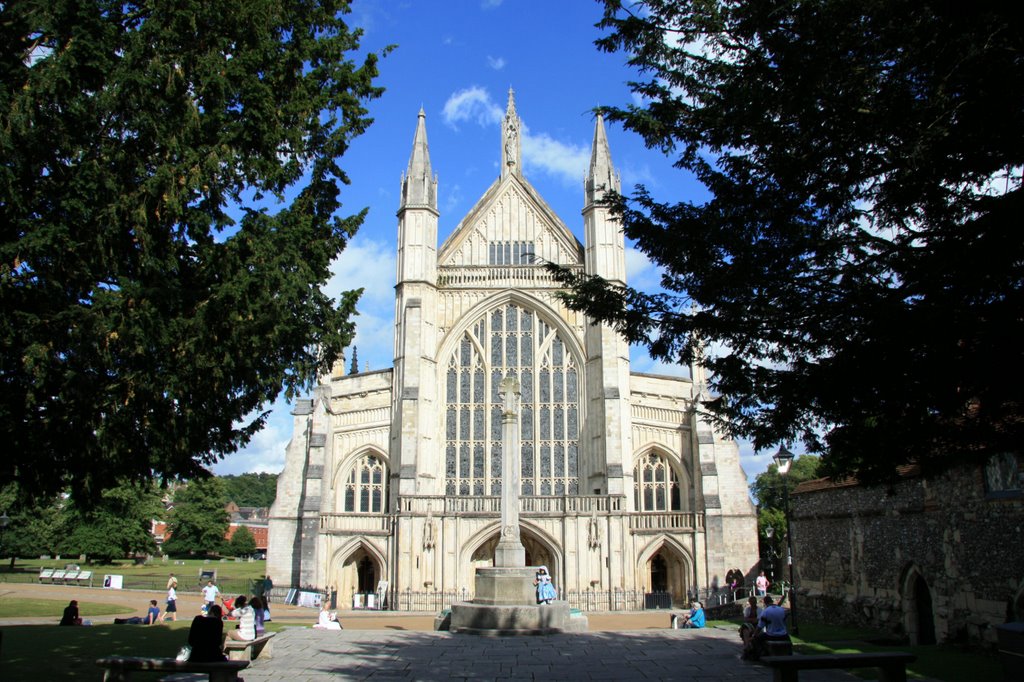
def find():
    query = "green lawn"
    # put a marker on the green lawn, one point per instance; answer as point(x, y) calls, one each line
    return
point(946, 663)
point(13, 607)
point(232, 576)
point(71, 653)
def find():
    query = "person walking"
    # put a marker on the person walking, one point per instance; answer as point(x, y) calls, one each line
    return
point(210, 594)
point(171, 610)
point(761, 585)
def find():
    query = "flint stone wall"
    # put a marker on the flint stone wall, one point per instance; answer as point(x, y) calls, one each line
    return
point(858, 550)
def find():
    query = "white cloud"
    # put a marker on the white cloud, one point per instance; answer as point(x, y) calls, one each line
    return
point(641, 273)
point(496, 63)
point(265, 452)
point(368, 264)
point(559, 159)
point(474, 105)
point(541, 152)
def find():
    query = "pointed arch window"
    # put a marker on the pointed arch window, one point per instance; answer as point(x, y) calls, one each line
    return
point(655, 484)
point(366, 486)
point(512, 341)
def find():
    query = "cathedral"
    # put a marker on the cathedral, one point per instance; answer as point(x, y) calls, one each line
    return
point(393, 477)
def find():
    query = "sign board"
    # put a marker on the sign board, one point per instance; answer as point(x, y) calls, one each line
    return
point(113, 582)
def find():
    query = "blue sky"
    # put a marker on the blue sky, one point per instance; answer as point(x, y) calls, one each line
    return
point(457, 60)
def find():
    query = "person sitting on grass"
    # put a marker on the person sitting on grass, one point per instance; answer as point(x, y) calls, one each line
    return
point(71, 616)
point(696, 618)
point(153, 614)
point(206, 637)
point(327, 620)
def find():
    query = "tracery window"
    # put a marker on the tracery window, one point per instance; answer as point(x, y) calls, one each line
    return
point(512, 341)
point(656, 486)
point(366, 488)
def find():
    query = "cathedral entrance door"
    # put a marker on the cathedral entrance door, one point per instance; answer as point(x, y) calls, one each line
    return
point(367, 576)
point(659, 574)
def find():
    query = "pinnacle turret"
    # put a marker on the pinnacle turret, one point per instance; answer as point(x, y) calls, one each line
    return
point(511, 139)
point(419, 186)
point(601, 176)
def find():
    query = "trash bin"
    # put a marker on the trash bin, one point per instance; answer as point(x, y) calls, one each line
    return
point(1011, 650)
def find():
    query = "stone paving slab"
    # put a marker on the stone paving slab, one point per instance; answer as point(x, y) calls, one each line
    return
point(307, 655)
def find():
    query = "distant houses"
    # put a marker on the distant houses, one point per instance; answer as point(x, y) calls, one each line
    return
point(253, 518)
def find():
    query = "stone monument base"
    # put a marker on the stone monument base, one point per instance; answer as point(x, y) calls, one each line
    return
point(498, 585)
point(505, 620)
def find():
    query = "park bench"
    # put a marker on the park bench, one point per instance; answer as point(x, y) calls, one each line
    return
point(892, 665)
point(45, 574)
point(120, 668)
point(239, 650)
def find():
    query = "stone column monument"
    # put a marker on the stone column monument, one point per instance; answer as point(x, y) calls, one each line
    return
point(506, 601)
point(510, 552)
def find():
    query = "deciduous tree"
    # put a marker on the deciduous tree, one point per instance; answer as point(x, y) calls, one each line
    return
point(119, 525)
point(242, 543)
point(169, 208)
point(857, 271)
point(198, 521)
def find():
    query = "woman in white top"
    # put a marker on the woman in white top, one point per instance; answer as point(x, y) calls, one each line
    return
point(327, 620)
point(246, 630)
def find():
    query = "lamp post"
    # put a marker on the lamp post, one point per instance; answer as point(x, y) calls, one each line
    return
point(5, 521)
point(784, 460)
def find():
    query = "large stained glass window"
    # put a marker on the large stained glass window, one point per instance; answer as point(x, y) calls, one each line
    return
point(656, 487)
point(512, 341)
point(366, 487)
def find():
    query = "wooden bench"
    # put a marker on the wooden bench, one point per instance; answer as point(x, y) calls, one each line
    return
point(120, 668)
point(239, 650)
point(891, 664)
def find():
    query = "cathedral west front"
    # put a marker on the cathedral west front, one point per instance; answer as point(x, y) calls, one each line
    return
point(396, 475)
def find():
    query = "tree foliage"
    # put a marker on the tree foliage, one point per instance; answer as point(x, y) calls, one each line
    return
point(769, 486)
point(198, 521)
point(250, 489)
point(118, 526)
point(169, 207)
point(854, 280)
point(242, 543)
point(35, 523)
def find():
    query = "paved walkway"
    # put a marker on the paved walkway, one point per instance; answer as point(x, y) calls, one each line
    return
point(307, 655)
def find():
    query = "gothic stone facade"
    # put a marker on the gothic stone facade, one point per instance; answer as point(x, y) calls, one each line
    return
point(930, 560)
point(395, 475)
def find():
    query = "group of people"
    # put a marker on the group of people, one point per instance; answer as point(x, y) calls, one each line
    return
point(761, 625)
point(206, 635)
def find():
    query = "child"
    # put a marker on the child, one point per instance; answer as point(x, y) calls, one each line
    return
point(545, 589)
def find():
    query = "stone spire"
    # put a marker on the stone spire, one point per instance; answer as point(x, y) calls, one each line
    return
point(511, 139)
point(601, 176)
point(419, 186)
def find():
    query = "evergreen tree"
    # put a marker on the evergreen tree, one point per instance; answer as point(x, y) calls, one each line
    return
point(242, 543)
point(169, 208)
point(198, 521)
point(857, 269)
point(34, 527)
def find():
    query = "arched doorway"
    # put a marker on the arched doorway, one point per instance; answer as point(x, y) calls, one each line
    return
point(358, 574)
point(538, 553)
point(659, 574)
point(923, 613)
point(918, 614)
point(665, 569)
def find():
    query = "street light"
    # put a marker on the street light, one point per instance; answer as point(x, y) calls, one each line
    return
point(784, 460)
point(5, 521)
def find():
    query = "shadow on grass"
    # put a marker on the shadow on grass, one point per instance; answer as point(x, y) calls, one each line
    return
point(51, 652)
